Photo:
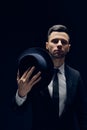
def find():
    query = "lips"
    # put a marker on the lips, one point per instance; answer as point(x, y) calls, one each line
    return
point(58, 51)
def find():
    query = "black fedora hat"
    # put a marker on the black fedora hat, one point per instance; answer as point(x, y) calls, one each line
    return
point(42, 61)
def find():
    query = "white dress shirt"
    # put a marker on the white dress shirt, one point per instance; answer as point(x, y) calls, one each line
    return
point(62, 88)
point(62, 91)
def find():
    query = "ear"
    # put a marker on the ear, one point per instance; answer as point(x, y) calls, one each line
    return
point(69, 47)
point(47, 45)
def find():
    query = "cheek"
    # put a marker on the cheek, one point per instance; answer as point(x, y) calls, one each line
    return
point(50, 48)
point(66, 49)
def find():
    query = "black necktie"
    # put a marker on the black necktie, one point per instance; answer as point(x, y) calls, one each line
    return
point(56, 90)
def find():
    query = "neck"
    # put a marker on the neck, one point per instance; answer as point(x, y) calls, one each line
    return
point(58, 62)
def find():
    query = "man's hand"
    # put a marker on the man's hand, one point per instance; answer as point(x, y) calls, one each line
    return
point(25, 83)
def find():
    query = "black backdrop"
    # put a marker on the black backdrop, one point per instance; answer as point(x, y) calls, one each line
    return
point(25, 24)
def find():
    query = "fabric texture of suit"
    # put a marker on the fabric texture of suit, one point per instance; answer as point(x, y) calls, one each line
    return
point(39, 113)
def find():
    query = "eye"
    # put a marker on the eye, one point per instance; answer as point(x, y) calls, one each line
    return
point(64, 42)
point(55, 41)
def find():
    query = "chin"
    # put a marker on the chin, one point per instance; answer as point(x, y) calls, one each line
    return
point(59, 56)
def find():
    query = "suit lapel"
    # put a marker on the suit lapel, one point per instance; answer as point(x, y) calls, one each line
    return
point(68, 86)
point(45, 93)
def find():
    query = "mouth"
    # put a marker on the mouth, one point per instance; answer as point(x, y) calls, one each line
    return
point(58, 51)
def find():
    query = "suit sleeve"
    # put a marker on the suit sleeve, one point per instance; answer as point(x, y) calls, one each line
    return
point(81, 104)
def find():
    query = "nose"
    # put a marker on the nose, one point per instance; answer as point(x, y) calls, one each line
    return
point(59, 44)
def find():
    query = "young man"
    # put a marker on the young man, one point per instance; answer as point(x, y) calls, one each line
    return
point(72, 113)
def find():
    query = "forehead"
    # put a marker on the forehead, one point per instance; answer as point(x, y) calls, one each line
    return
point(59, 35)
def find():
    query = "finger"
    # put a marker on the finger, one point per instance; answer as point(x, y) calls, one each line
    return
point(32, 83)
point(18, 75)
point(35, 77)
point(25, 73)
point(36, 81)
point(29, 73)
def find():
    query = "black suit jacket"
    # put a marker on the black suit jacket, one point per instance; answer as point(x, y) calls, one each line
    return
point(39, 113)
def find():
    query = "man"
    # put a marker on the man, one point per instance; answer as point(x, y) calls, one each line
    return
point(72, 113)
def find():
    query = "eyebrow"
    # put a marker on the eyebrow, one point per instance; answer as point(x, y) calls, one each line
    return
point(59, 39)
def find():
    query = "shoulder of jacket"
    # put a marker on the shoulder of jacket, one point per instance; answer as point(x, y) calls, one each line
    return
point(72, 70)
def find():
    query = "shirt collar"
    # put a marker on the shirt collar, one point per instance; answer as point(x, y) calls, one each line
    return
point(61, 68)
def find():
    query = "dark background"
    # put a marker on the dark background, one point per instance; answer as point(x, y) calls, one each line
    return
point(25, 24)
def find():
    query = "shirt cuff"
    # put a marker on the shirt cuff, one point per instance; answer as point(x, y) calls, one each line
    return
point(20, 100)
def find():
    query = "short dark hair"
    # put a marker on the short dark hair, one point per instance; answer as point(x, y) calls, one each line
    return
point(58, 28)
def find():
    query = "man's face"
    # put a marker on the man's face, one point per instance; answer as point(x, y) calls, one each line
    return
point(58, 44)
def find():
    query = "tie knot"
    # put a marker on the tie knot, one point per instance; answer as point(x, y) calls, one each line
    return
point(56, 70)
